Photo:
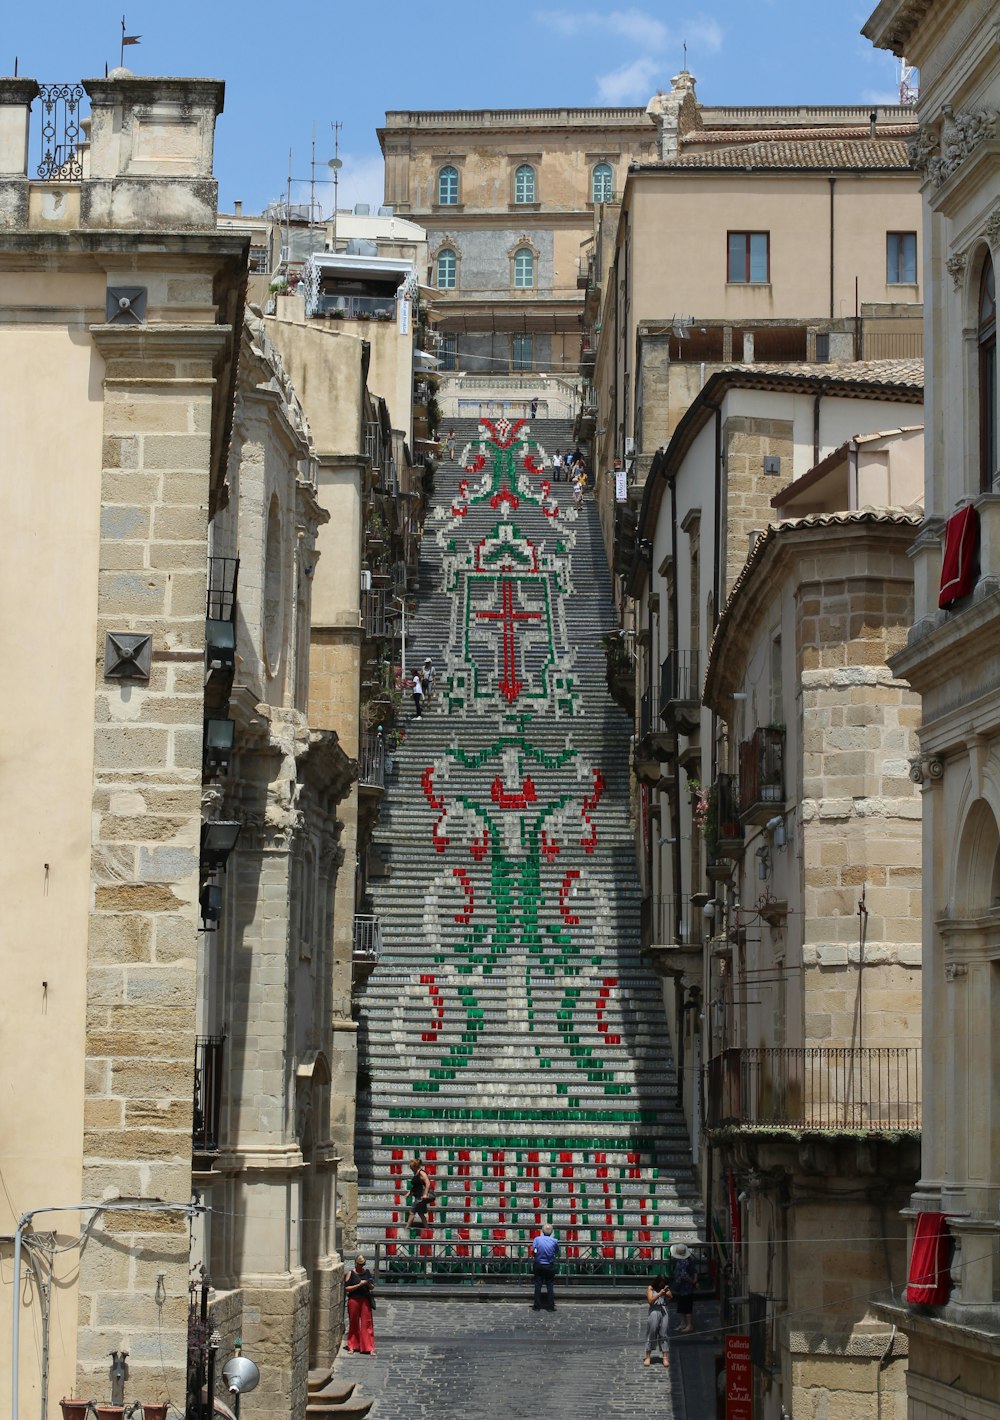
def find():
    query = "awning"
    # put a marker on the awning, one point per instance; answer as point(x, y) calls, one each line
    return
point(929, 1280)
point(958, 565)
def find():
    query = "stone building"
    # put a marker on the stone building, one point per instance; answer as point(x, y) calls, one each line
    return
point(811, 977)
point(181, 895)
point(951, 1312)
point(756, 437)
point(754, 234)
point(119, 326)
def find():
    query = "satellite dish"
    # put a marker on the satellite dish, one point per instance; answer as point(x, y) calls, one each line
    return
point(240, 1375)
point(335, 164)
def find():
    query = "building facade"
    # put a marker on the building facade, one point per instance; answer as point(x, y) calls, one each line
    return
point(951, 1314)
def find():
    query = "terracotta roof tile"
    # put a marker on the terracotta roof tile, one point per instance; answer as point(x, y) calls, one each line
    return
point(832, 152)
point(733, 136)
point(894, 373)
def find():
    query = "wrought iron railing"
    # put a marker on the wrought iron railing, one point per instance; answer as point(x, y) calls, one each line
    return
point(367, 937)
point(645, 713)
point(670, 920)
point(373, 617)
point(762, 769)
point(206, 1133)
point(371, 761)
point(724, 823)
point(61, 156)
point(223, 574)
point(679, 680)
point(373, 441)
point(816, 1087)
point(356, 307)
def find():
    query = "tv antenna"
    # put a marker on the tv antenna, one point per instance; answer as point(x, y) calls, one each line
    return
point(909, 84)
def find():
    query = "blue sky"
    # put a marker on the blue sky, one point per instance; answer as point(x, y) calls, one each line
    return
point(288, 69)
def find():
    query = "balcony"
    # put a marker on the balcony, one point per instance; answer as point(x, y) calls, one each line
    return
point(206, 1132)
point(367, 942)
point(374, 621)
point(723, 829)
point(762, 774)
point(344, 307)
point(373, 441)
point(655, 745)
point(680, 691)
point(621, 669)
point(371, 761)
point(815, 1088)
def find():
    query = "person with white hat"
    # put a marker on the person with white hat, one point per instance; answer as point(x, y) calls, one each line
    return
point(683, 1281)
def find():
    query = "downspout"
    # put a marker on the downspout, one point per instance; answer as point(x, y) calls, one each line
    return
point(833, 183)
point(817, 398)
point(675, 811)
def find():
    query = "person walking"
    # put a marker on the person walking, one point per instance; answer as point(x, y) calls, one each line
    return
point(534, 407)
point(359, 1287)
point(450, 446)
point(418, 693)
point(557, 464)
point(657, 1321)
point(545, 1250)
point(683, 1281)
point(427, 678)
point(420, 1189)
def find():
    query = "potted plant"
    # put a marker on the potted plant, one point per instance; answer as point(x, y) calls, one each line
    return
point(74, 1409)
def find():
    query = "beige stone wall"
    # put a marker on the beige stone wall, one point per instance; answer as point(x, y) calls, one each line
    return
point(748, 492)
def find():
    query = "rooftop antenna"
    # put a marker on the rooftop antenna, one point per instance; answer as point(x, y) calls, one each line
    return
point(15, 66)
point(288, 214)
point(312, 189)
point(909, 84)
point(335, 166)
point(126, 39)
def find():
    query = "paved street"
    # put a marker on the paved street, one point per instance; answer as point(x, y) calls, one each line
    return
point(501, 1360)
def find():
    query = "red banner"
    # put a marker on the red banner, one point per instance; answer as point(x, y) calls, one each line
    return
point(739, 1391)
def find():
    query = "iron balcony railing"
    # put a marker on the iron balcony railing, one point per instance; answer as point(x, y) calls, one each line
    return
point(371, 761)
point(208, 1051)
point(373, 441)
point(645, 713)
point(373, 613)
point(762, 769)
point(680, 683)
point(367, 937)
point(61, 158)
point(669, 920)
point(856, 1088)
point(724, 825)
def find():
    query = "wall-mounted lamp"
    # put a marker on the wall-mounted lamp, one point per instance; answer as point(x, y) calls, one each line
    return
point(217, 749)
point(776, 826)
point(710, 908)
point(737, 695)
point(210, 906)
point(220, 645)
point(218, 839)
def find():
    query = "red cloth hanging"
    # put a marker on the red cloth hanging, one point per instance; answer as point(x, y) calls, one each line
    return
point(959, 562)
point(929, 1281)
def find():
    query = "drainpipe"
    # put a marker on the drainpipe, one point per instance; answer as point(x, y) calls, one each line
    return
point(675, 814)
point(833, 183)
point(816, 403)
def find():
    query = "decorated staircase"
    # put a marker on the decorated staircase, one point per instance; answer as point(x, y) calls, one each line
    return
point(511, 1036)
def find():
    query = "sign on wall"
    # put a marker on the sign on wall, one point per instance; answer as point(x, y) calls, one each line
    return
point(404, 317)
point(621, 486)
point(739, 1396)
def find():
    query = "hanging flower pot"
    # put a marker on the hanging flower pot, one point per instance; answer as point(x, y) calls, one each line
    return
point(110, 1412)
point(74, 1409)
point(155, 1412)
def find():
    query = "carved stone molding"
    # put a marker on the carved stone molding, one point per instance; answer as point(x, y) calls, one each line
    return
point(956, 267)
point(939, 149)
point(993, 228)
point(955, 969)
point(925, 769)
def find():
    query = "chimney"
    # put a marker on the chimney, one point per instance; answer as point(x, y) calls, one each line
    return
point(872, 120)
point(238, 208)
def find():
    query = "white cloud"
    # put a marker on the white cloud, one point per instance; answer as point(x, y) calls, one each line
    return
point(632, 83)
point(362, 179)
point(633, 25)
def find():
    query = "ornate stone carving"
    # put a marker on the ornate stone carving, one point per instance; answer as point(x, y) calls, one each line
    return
point(924, 769)
point(956, 267)
point(955, 969)
point(993, 228)
point(940, 149)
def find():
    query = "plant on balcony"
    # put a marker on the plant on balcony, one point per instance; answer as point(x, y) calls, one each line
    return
point(710, 824)
point(701, 800)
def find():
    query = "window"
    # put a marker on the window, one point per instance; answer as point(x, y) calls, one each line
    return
point(448, 352)
point(522, 352)
point(602, 180)
point(987, 337)
point(447, 270)
point(749, 258)
point(524, 268)
point(258, 259)
point(448, 187)
point(901, 258)
point(524, 183)
point(822, 346)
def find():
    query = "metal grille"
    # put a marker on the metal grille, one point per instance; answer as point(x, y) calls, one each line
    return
point(816, 1087)
point(367, 937)
point(61, 159)
point(222, 577)
point(679, 680)
point(208, 1092)
point(762, 769)
point(371, 761)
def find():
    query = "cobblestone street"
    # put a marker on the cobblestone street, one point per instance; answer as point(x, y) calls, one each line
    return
point(497, 1360)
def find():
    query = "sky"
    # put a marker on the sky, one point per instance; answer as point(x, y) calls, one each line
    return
point(290, 72)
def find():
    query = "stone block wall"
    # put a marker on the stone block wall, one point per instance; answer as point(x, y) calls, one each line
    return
point(140, 1029)
point(749, 489)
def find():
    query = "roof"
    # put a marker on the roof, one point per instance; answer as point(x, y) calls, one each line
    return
point(818, 471)
point(696, 137)
point(824, 152)
point(863, 517)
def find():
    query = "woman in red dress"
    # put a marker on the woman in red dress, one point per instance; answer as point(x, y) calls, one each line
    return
point(359, 1285)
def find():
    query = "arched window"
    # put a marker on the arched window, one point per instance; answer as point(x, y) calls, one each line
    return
point(447, 270)
point(448, 187)
point(524, 183)
point(524, 268)
point(601, 183)
point(987, 336)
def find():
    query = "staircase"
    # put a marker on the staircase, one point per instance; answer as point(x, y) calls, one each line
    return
point(510, 1035)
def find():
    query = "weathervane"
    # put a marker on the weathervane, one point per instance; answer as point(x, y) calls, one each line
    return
point(126, 39)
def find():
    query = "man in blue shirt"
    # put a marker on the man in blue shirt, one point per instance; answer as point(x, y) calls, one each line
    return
point(545, 1249)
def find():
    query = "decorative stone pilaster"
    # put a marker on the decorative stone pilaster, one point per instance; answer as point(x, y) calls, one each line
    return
point(15, 110)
